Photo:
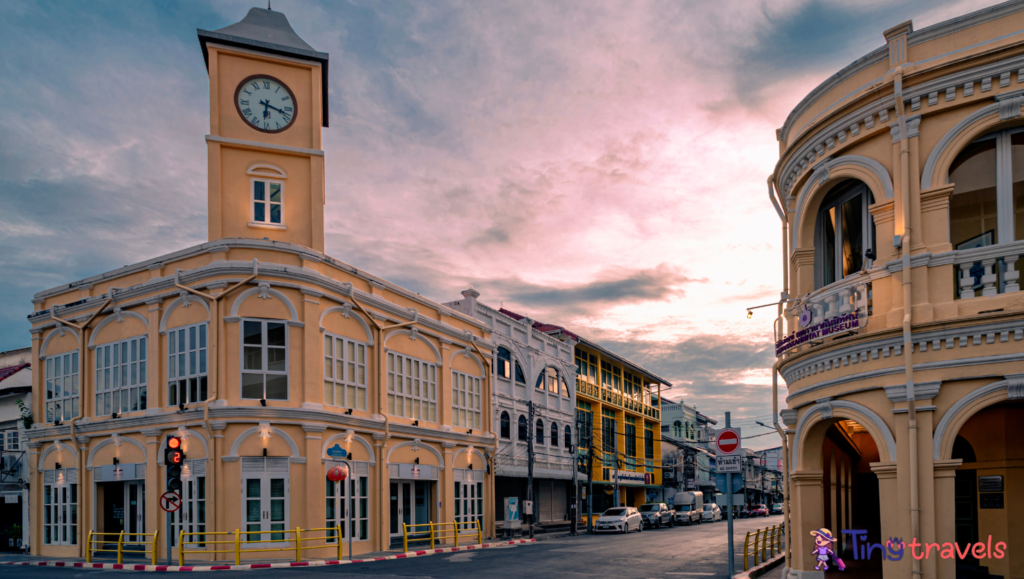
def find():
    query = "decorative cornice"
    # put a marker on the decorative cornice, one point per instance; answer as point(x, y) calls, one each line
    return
point(1015, 386)
point(314, 427)
point(789, 416)
point(922, 391)
point(152, 432)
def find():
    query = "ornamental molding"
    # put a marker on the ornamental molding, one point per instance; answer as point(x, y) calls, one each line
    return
point(922, 391)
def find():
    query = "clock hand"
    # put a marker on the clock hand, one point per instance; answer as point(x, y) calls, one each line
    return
point(267, 104)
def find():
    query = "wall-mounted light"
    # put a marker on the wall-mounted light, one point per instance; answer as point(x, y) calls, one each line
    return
point(116, 462)
point(750, 314)
point(265, 430)
point(56, 465)
point(181, 407)
point(417, 460)
point(264, 452)
point(113, 415)
point(263, 401)
point(415, 422)
point(349, 412)
point(470, 431)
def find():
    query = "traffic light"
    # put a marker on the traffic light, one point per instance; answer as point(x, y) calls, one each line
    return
point(174, 457)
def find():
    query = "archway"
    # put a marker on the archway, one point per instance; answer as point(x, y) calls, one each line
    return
point(986, 484)
point(835, 485)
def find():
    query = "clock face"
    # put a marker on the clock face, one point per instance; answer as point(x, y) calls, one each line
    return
point(266, 103)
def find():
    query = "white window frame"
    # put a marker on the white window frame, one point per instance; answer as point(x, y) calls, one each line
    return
point(466, 397)
point(10, 440)
point(860, 191)
point(67, 376)
point(191, 517)
point(188, 369)
point(112, 370)
point(60, 507)
point(264, 357)
point(266, 222)
point(409, 391)
point(351, 495)
point(352, 384)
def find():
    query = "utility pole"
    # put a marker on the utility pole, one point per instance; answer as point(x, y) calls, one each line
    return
point(575, 500)
point(729, 490)
point(590, 475)
point(530, 426)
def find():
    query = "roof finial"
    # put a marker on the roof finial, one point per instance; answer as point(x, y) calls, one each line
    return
point(268, 5)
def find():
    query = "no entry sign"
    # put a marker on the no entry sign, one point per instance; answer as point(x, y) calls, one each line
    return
point(727, 442)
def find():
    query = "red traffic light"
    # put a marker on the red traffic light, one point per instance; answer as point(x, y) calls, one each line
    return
point(173, 442)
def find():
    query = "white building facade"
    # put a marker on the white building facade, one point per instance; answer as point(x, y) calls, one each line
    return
point(530, 365)
point(15, 406)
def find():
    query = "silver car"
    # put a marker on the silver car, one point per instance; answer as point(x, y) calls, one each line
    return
point(712, 513)
point(619, 520)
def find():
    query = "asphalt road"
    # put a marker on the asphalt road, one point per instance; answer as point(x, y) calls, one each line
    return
point(669, 553)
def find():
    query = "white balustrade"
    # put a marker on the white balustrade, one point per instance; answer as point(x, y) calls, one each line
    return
point(991, 269)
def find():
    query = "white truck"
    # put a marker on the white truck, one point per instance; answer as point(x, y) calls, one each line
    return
point(689, 507)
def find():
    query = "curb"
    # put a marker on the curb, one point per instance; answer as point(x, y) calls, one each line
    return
point(252, 566)
point(761, 569)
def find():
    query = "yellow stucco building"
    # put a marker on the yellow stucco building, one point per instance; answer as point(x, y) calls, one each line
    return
point(900, 186)
point(619, 402)
point(272, 359)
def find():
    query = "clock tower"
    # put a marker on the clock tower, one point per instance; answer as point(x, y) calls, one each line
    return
point(268, 102)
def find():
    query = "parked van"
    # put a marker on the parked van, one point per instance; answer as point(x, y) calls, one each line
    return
point(689, 506)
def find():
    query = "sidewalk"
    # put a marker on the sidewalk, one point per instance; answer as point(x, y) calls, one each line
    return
point(139, 564)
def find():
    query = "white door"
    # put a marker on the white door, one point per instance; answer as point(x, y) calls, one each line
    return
point(265, 498)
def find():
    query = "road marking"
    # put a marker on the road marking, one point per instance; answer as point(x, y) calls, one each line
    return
point(682, 573)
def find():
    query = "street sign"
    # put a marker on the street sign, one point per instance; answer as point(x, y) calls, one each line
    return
point(170, 501)
point(727, 442)
point(729, 464)
point(528, 507)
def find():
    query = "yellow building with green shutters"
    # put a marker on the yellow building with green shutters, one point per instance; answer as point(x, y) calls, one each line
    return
point(618, 406)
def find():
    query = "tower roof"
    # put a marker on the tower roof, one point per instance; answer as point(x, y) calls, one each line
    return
point(267, 31)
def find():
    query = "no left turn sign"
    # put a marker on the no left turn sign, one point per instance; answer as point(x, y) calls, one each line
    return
point(727, 442)
point(170, 501)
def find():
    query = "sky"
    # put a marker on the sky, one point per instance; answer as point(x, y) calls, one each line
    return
point(599, 165)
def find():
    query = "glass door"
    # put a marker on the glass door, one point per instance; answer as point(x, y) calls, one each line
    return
point(266, 508)
point(404, 507)
point(135, 519)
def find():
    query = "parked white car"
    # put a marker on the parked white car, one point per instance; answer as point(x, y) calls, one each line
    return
point(712, 513)
point(619, 520)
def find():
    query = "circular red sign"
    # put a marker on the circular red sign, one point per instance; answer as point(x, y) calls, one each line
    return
point(170, 501)
point(337, 473)
point(727, 441)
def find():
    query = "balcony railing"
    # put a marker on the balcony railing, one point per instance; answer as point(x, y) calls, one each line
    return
point(989, 270)
point(616, 399)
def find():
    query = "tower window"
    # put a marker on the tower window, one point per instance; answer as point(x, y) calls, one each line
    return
point(267, 202)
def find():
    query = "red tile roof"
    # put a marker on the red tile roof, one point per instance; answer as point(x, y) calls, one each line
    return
point(9, 371)
point(540, 326)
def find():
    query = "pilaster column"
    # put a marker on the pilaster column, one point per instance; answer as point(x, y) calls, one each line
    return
point(153, 483)
point(312, 383)
point(945, 517)
point(315, 513)
point(156, 397)
point(806, 515)
point(890, 508)
point(383, 493)
point(446, 480)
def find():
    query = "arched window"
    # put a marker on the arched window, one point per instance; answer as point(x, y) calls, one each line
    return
point(506, 426)
point(677, 429)
point(520, 377)
point(504, 367)
point(522, 428)
point(548, 380)
point(554, 435)
point(987, 205)
point(540, 431)
point(568, 437)
point(845, 233)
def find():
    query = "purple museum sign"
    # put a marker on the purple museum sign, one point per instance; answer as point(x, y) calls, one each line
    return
point(838, 324)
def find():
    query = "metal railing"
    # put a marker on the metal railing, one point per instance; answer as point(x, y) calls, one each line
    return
point(331, 539)
point(440, 532)
point(770, 541)
point(121, 543)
